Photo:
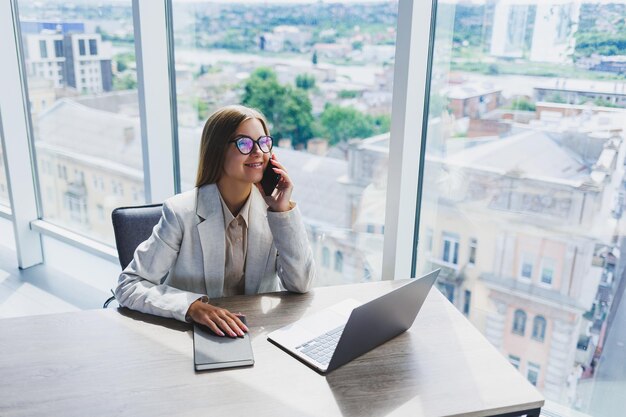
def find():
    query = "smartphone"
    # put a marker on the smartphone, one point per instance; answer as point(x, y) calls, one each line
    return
point(270, 179)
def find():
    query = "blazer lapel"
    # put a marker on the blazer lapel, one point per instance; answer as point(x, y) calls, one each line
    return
point(212, 239)
point(259, 242)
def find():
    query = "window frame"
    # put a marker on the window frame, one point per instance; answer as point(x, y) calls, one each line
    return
point(515, 328)
point(520, 273)
point(535, 368)
point(453, 250)
point(536, 335)
point(472, 251)
point(547, 264)
point(155, 67)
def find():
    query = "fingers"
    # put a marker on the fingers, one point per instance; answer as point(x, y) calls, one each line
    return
point(275, 162)
point(208, 322)
point(222, 322)
point(238, 322)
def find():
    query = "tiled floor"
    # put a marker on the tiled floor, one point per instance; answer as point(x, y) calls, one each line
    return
point(42, 290)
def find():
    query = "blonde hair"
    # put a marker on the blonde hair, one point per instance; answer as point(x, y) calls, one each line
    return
point(218, 130)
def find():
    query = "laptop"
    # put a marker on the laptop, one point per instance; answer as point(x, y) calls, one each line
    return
point(336, 335)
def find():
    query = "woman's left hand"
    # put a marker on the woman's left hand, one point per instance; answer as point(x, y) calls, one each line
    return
point(281, 196)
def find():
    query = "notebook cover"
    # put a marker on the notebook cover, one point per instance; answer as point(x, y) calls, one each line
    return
point(216, 352)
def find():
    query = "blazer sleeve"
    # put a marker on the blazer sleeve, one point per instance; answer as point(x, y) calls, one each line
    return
point(140, 284)
point(294, 264)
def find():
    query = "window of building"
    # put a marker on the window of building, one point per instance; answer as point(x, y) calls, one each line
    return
point(473, 246)
point(539, 328)
point(325, 257)
point(547, 271)
point(338, 261)
point(58, 48)
point(450, 252)
point(533, 373)
point(76, 204)
point(81, 47)
point(515, 361)
point(467, 300)
point(519, 322)
point(43, 49)
point(526, 266)
point(93, 47)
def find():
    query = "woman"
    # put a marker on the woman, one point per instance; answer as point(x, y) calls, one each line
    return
point(224, 237)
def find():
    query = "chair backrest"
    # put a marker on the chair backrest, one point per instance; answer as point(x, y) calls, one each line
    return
point(131, 226)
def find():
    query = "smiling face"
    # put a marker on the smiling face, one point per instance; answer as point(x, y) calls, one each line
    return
point(245, 169)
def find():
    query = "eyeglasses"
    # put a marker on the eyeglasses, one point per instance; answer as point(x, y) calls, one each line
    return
point(245, 144)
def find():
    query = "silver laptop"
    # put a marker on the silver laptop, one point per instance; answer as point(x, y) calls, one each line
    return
point(336, 335)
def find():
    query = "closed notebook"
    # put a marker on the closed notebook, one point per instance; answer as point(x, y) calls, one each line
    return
point(215, 352)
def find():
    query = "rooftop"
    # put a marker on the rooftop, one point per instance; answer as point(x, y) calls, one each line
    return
point(583, 86)
point(531, 153)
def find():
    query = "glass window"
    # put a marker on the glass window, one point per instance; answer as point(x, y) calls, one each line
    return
point(473, 246)
point(450, 252)
point(338, 261)
point(84, 130)
point(58, 48)
point(524, 152)
point(515, 360)
point(467, 301)
point(547, 271)
point(325, 257)
point(519, 322)
point(322, 74)
point(526, 266)
point(539, 328)
point(533, 373)
point(93, 47)
point(43, 49)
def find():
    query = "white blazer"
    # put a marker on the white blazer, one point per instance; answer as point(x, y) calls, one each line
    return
point(184, 258)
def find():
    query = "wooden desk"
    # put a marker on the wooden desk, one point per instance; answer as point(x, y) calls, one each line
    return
point(120, 362)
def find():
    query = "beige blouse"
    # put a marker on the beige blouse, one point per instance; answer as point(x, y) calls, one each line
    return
point(236, 230)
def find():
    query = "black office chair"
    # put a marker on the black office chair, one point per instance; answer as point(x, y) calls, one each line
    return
point(131, 226)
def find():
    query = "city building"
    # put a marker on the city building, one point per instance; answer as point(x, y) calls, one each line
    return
point(472, 99)
point(574, 91)
point(555, 24)
point(541, 31)
point(66, 55)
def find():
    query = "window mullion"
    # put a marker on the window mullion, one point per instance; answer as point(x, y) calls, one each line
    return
point(155, 98)
point(17, 139)
point(410, 97)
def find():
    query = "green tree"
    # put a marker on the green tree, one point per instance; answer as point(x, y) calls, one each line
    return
point(521, 103)
point(287, 109)
point(604, 103)
point(554, 98)
point(305, 81)
point(347, 94)
point(124, 60)
point(314, 58)
point(382, 123)
point(126, 82)
point(295, 116)
point(343, 123)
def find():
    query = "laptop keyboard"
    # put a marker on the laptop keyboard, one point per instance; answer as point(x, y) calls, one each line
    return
point(322, 347)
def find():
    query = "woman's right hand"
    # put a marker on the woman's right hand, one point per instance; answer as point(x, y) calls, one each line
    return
point(220, 320)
